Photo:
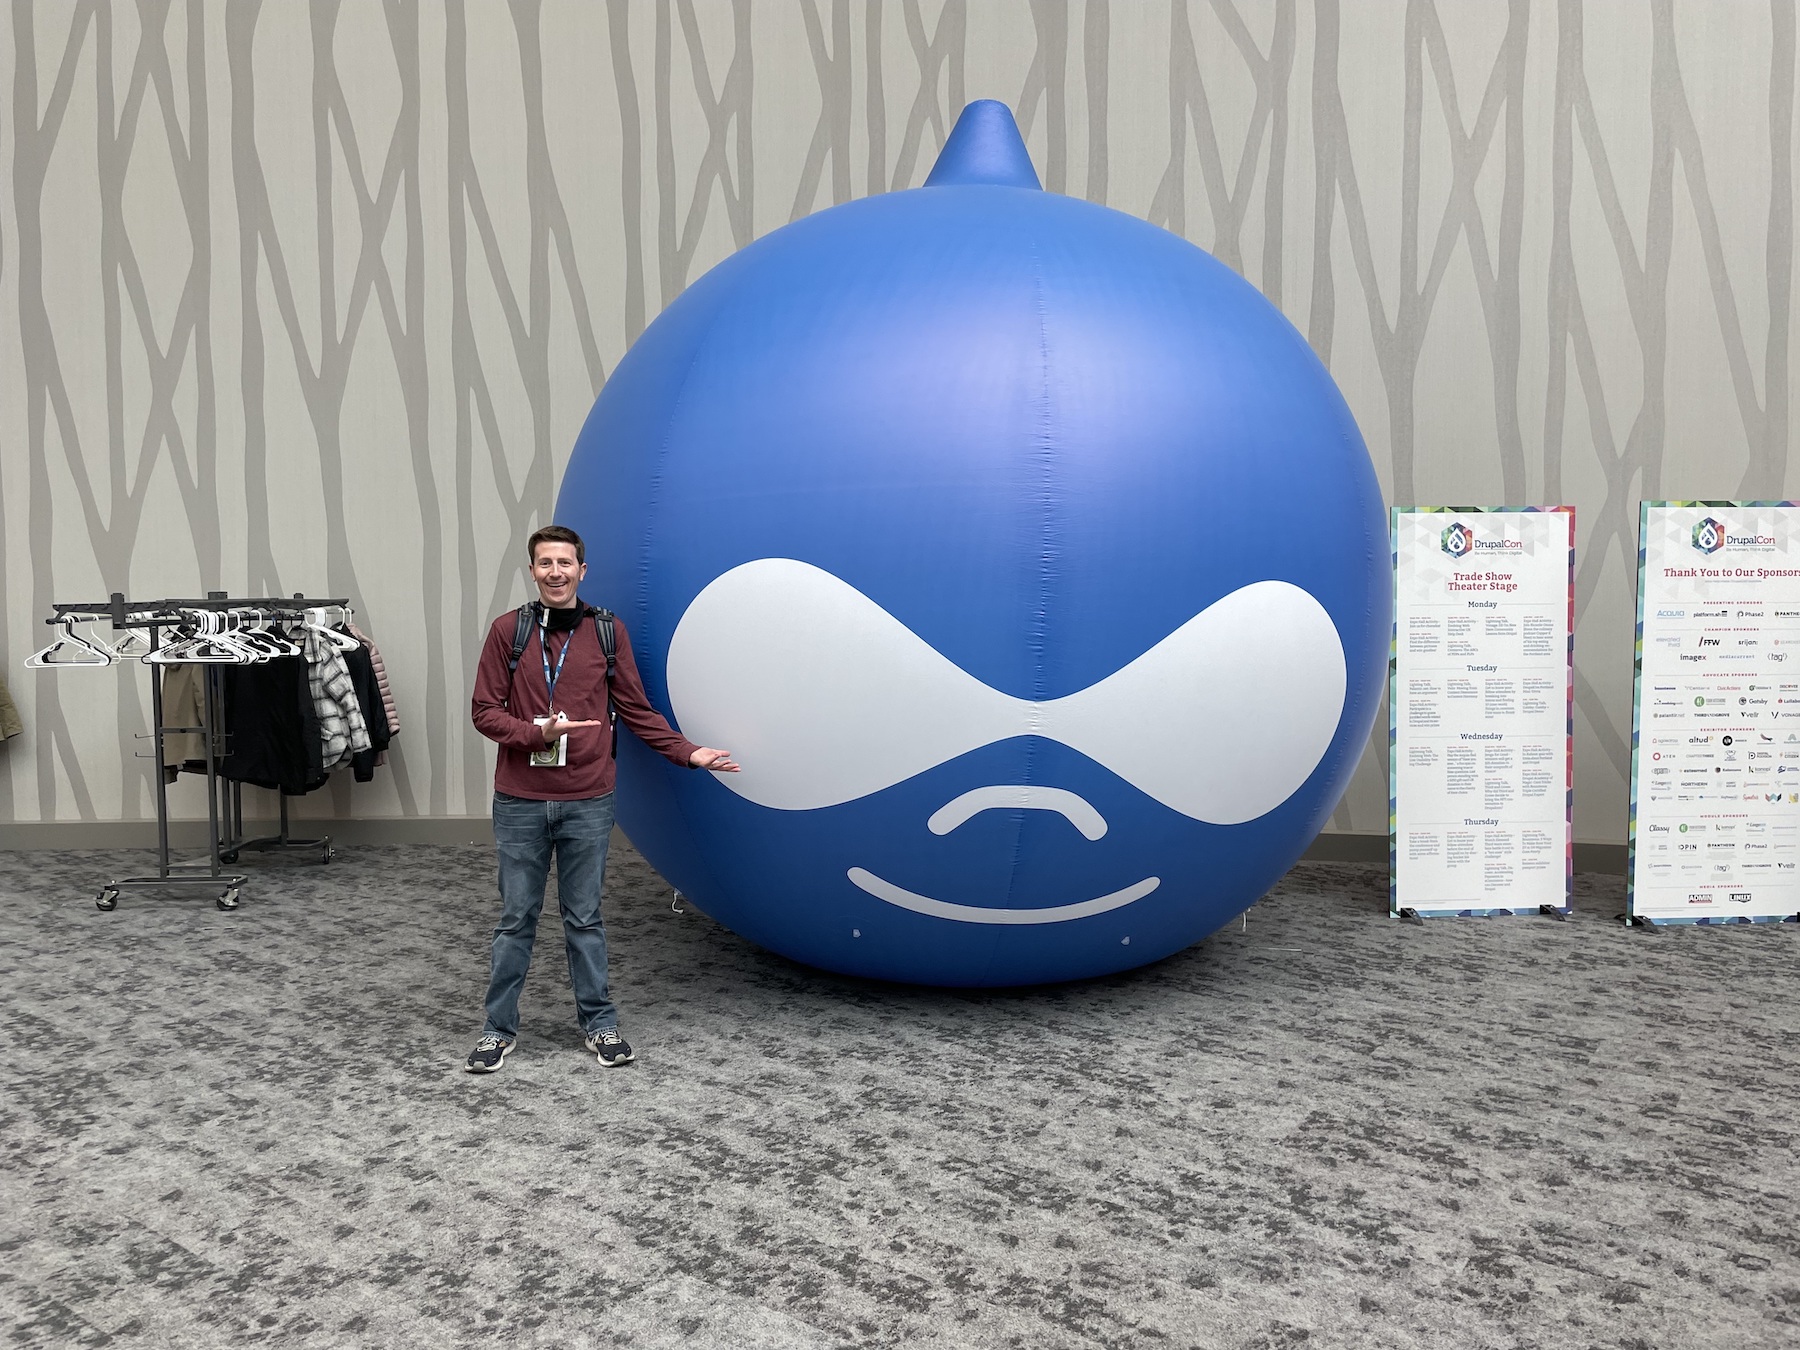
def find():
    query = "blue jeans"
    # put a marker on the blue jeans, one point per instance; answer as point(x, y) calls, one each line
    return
point(526, 833)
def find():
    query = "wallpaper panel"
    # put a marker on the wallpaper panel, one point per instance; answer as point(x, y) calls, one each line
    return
point(316, 297)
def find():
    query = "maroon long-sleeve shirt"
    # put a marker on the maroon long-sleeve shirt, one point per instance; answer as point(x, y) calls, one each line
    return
point(580, 695)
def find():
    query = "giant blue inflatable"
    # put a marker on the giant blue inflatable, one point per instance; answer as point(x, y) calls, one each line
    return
point(1026, 558)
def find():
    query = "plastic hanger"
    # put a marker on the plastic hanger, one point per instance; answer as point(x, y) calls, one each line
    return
point(316, 619)
point(240, 629)
point(68, 650)
point(230, 640)
point(260, 632)
point(209, 644)
point(134, 643)
point(174, 651)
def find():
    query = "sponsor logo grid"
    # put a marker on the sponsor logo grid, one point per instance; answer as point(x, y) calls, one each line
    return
point(1715, 793)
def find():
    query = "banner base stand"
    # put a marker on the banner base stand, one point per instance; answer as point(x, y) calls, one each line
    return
point(1413, 914)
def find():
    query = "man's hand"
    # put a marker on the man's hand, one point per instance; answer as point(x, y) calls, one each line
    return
point(719, 761)
point(559, 727)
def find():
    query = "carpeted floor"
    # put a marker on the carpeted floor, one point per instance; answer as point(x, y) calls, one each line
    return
point(1326, 1128)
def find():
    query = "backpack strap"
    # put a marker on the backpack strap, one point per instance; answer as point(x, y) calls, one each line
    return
point(609, 643)
point(527, 619)
point(522, 634)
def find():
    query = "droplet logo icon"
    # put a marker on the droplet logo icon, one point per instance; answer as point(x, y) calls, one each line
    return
point(963, 517)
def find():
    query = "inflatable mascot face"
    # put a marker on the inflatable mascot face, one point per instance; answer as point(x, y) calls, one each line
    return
point(1026, 558)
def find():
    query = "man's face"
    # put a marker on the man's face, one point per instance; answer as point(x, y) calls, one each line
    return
point(557, 574)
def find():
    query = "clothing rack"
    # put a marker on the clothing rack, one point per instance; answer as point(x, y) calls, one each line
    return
point(224, 798)
point(279, 842)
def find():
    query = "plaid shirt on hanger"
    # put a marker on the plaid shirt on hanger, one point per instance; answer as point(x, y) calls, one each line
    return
point(342, 730)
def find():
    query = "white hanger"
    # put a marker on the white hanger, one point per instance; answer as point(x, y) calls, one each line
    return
point(172, 623)
point(239, 629)
point(81, 651)
point(230, 639)
point(174, 650)
point(316, 620)
point(134, 643)
point(260, 632)
point(209, 644)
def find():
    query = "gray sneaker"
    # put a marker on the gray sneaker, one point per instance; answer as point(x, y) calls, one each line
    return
point(610, 1048)
point(489, 1054)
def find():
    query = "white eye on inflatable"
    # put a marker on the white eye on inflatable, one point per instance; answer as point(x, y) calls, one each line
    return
point(1222, 720)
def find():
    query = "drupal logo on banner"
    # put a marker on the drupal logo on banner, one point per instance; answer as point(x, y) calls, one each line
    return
point(1457, 540)
point(1709, 535)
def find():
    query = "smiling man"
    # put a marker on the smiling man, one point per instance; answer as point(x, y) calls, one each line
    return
point(549, 701)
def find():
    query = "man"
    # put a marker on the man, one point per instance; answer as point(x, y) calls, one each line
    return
point(553, 788)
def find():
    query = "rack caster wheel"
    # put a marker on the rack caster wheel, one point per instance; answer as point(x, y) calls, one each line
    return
point(326, 854)
point(228, 900)
point(229, 858)
point(106, 899)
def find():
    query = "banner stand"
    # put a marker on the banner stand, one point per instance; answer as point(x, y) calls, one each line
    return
point(1407, 914)
point(1714, 829)
point(1650, 925)
point(1481, 712)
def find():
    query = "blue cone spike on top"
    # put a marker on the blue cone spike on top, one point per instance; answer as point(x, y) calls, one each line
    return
point(984, 148)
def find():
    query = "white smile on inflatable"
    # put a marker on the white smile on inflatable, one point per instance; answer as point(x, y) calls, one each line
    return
point(1222, 720)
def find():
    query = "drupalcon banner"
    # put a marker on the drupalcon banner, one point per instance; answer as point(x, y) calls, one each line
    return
point(1480, 683)
point(1715, 763)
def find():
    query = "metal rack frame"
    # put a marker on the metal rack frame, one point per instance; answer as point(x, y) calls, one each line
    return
point(224, 798)
point(279, 842)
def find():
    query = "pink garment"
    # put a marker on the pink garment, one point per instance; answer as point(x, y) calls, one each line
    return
point(381, 682)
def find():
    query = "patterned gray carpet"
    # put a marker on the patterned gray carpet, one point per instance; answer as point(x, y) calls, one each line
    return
point(1326, 1128)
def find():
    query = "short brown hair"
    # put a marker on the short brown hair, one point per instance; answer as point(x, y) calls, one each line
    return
point(555, 534)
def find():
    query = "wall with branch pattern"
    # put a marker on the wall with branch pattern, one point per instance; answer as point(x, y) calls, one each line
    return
point(315, 297)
